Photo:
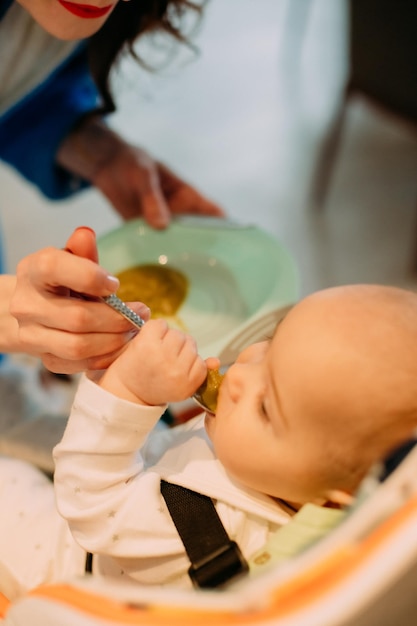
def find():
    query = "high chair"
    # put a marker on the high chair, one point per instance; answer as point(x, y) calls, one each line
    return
point(361, 574)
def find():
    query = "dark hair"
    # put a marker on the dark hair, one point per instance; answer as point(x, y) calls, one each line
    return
point(128, 21)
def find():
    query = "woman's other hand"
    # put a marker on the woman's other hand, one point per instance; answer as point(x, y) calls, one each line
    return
point(134, 183)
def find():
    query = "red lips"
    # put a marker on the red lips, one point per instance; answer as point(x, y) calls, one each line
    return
point(85, 11)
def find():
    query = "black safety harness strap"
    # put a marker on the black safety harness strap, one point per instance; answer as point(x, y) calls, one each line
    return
point(215, 559)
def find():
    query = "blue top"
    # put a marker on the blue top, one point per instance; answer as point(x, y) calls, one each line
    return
point(32, 129)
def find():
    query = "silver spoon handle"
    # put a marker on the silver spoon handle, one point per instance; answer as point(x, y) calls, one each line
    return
point(119, 306)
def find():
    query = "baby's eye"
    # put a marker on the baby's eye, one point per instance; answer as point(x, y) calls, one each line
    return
point(262, 409)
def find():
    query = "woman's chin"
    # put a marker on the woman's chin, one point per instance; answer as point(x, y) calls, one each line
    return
point(61, 23)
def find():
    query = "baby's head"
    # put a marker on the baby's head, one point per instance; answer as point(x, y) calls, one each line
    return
point(306, 414)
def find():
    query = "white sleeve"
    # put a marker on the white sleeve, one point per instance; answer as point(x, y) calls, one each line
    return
point(112, 502)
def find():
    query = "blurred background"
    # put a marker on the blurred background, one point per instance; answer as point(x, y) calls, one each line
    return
point(245, 120)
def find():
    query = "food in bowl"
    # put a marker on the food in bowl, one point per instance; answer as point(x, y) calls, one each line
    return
point(162, 288)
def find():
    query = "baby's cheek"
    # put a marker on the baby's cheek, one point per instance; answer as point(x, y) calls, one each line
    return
point(212, 432)
point(227, 450)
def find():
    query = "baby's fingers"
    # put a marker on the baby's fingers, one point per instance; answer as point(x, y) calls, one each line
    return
point(213, 363)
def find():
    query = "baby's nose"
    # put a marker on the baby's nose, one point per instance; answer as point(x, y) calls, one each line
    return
point(236, 380)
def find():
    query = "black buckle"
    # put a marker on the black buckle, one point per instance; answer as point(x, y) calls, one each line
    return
point(393, 460)
point(219, 567)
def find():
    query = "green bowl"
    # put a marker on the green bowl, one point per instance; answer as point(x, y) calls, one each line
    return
point(236, 272)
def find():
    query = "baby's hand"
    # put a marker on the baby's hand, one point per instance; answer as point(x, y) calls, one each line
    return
point(160, 365)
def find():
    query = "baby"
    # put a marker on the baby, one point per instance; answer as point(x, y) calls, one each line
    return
point(300, 419)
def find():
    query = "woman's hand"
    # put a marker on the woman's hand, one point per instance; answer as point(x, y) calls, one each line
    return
point(70, 334)
point(134, 183)
point(160, 365)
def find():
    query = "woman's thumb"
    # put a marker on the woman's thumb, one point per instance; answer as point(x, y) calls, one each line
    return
point(83, 243)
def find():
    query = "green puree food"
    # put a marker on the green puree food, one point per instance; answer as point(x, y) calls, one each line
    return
point(163, 289)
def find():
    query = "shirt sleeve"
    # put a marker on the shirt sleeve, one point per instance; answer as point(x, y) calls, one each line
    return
point(110, 499)
point(32, 130)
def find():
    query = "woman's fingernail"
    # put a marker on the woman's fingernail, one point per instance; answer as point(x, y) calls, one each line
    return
point(86, 228)
point(112, 283)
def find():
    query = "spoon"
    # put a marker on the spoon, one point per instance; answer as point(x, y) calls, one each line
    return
point(206, 394)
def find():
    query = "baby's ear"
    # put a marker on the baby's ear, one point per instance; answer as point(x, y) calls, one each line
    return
point(339, 497)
